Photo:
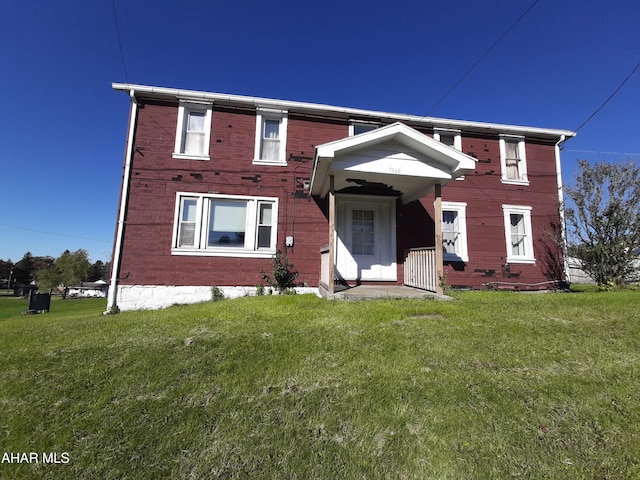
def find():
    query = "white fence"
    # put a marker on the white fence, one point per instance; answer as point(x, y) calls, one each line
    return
point(324, 266)
point(420, 270)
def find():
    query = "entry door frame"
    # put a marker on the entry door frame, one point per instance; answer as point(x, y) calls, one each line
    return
point(382, 265)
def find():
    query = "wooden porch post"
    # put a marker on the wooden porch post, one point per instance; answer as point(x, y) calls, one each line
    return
point(438, 222)
point(332, 230)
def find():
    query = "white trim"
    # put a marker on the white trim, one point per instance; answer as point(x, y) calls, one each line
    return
point(522, 157)
point(563, 226)
point(457, 136)
point(154, 297)
point(457, 139)
point(368, 125)
point(525, 211)
point(435, 161)
point(112, 296)
point(201, 247)
point(385, 237)
point(231, 252)
point(162, 92)
point(461, 209)
point(184, 109)
point(263, 114)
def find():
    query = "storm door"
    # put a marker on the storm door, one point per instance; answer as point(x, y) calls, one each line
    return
point(366, 238)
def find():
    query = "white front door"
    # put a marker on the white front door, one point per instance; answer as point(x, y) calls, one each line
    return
point(366, 241)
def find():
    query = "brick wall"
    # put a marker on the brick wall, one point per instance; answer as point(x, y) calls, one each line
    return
point(156, 177)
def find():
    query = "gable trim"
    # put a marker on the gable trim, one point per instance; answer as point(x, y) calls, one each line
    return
point(419, 161)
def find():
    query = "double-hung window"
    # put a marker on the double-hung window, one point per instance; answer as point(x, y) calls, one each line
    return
point(448, 137)
point(265, 224)
point(225, 225)
point(513, 160)
point(454, 231)
point(271, 137)
point(452, 138)
point(518, 235)
point(193, 131)
point(356, 128)
point(187, 224)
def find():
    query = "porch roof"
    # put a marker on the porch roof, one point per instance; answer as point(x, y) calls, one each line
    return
point(393, 160)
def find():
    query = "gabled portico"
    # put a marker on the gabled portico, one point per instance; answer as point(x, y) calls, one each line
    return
point(364, 176)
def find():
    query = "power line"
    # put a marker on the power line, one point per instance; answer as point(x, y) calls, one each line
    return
point(54, 233)
point(482, 57)
point(630, 154)
point(608, 99)
point(115, 18)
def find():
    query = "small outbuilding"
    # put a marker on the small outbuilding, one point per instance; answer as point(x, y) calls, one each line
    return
point(88, 289)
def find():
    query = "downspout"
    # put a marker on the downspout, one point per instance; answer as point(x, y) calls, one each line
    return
point(563, 226)
point(126, 181)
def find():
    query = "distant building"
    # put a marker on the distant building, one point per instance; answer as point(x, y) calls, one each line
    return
point(88, 289)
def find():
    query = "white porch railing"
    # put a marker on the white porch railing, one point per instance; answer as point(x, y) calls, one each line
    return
point(420, 269)
point(324, 266)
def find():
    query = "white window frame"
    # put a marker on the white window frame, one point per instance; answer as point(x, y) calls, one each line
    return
point(457, 136)
point(368, 125)
point(263, 114)
point(184, 108)
point(457, 140)
point(203, 209)
point(525, 211)
point(522, 164)
point(462, 255)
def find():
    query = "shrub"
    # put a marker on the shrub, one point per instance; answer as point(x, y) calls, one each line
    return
point(283, 274)
point(216, 294)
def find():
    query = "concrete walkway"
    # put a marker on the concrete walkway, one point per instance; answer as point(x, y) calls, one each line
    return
point(368, 292)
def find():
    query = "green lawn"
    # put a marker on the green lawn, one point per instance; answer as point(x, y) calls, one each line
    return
point(490, 385)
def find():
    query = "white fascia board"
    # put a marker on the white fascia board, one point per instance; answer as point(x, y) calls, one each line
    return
point(367, 139)
point(163, 92)
point(402, 134)
point(319, 178)
point(454, 163)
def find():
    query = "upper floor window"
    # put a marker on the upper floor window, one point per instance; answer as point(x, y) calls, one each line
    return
point(513, 160)
point(518, 234)
point(224, 225)
point(454, 231)
point(356, 128)
point(193, 131)
point(271, 137)
point(448, 137)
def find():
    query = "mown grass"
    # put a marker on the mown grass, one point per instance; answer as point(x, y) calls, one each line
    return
point(490, 385)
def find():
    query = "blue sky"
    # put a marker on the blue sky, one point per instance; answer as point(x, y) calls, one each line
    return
point(63, 129)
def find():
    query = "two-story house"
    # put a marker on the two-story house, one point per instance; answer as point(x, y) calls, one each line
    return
point(214, 185)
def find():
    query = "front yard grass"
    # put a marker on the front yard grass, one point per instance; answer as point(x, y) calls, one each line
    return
point(490, 385)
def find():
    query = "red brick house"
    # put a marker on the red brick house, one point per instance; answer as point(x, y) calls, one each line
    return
point(214, 185)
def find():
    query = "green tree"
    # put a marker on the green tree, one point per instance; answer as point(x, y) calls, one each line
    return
point(23, 269)
point(5, 268)
point(74, 267)
point(68, 269)
point(99, 271)
point(603, 225)
point(40, 263)
point(48, 278)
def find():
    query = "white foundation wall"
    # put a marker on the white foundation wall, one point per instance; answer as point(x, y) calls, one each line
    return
point(154, 297)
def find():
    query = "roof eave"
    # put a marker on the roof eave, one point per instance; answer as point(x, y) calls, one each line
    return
point(173, 93)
